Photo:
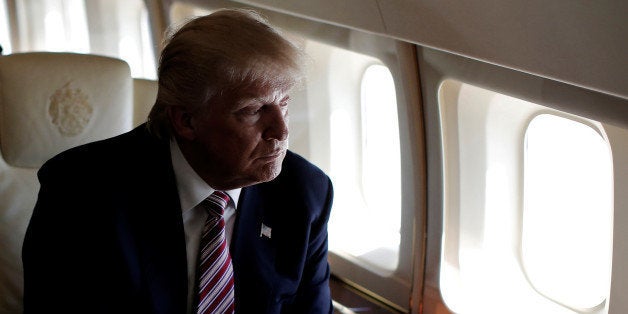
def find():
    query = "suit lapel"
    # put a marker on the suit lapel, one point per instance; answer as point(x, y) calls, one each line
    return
point(251, 254)
point(258, 270)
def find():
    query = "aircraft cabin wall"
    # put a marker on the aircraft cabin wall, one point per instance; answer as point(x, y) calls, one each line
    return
point(477, 150)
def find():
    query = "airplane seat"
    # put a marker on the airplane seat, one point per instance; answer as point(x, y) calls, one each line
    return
point(144, 95)
point(49, 102)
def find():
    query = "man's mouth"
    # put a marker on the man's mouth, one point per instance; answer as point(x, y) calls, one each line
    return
point(274, 154)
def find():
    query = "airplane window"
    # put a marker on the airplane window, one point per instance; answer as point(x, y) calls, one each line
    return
point(528, 206)
point(367, 211)
point(118, 29)
point(567, 173)
point(5, 38)
point(381, 177)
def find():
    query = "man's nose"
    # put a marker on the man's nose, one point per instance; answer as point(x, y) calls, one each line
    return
point(277, 127)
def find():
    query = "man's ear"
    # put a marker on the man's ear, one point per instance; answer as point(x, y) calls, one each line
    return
point(181, 121)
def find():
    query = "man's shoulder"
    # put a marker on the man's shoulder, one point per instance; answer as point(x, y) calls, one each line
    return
point(302, 180)
point(99, 154)
point(295, 167)
point(302, 185)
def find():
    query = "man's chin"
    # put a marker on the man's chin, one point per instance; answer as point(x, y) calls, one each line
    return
point(269, 172)
point(270, 167)
point(262, 171)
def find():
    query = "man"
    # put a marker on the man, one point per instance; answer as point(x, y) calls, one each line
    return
point(122, 225)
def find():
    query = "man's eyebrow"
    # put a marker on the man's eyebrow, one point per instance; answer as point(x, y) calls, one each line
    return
point(267, 99)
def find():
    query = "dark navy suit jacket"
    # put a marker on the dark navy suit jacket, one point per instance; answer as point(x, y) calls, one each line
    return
point(107, 235)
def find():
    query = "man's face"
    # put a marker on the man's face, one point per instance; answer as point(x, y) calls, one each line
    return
point(241, 138)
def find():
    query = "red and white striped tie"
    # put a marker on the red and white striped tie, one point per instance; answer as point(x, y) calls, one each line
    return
point(215, 279)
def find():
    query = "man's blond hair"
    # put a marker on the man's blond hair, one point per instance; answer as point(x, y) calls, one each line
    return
point(224, 52)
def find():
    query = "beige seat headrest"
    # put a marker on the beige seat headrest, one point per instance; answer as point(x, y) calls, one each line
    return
point(50, 102)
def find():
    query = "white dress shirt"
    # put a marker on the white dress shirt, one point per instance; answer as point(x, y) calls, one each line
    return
point(192, 191)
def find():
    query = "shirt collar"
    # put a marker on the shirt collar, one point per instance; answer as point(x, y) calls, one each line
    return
point(192, 189)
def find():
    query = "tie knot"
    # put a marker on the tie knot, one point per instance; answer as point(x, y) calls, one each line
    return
point(216, 203)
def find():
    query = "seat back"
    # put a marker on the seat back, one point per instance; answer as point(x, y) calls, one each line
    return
point(144, 95)
point(49, 102)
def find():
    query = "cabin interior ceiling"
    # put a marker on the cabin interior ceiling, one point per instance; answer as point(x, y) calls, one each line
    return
point(582, 43)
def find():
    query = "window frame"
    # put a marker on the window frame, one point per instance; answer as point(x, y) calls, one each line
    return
point(438, 66)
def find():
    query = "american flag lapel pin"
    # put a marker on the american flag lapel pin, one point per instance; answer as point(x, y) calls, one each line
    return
point(265, 231)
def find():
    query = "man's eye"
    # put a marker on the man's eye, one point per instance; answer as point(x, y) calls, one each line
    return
point(251, 111)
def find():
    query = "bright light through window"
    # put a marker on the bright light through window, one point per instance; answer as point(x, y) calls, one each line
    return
point(381, 177)
point(55, 32)
point(115, 28)
point(366, 174)
point(133, 34)
point(5, 38)
point(567, 225)
point(65, 26)
point(528, 206)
